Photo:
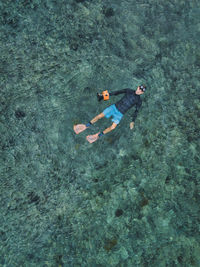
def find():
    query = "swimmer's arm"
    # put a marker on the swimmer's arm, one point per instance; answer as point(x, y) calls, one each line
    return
point(123, 91)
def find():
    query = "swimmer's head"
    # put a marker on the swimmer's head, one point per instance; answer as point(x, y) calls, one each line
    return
point(140, 90)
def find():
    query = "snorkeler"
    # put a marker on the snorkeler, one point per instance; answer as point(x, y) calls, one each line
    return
point(117, 110)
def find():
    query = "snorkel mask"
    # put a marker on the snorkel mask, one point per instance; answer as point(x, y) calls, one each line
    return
point(143, 88)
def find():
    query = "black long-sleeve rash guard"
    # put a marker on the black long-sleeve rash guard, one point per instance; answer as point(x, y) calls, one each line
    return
point(129, 100)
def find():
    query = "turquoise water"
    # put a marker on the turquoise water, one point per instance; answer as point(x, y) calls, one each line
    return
point(132, 197)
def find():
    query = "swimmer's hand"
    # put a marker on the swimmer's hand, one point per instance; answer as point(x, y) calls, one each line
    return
point(131, 125)
point(99, 97)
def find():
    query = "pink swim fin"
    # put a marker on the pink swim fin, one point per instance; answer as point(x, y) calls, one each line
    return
point(79, 128)
point(93, 138)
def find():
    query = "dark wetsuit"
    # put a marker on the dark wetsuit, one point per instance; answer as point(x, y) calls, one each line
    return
point(129, 100)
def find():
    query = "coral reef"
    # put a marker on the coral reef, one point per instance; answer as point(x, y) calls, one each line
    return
point(131, 198)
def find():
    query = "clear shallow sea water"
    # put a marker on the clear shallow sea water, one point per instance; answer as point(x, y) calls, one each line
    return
point(131, 198)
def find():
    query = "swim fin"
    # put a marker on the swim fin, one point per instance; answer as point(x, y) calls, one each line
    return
point(79, 128)
point(93, 138)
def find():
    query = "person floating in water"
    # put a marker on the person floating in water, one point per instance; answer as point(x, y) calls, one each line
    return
point(117, 110)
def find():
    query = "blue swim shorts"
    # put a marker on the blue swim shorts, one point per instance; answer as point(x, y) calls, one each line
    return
point(114, 112)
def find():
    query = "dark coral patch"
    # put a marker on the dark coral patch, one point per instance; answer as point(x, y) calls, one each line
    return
point(19, 114)
point(110, 244)
point(118, 212)
point(33, 198)
point(108, 12)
